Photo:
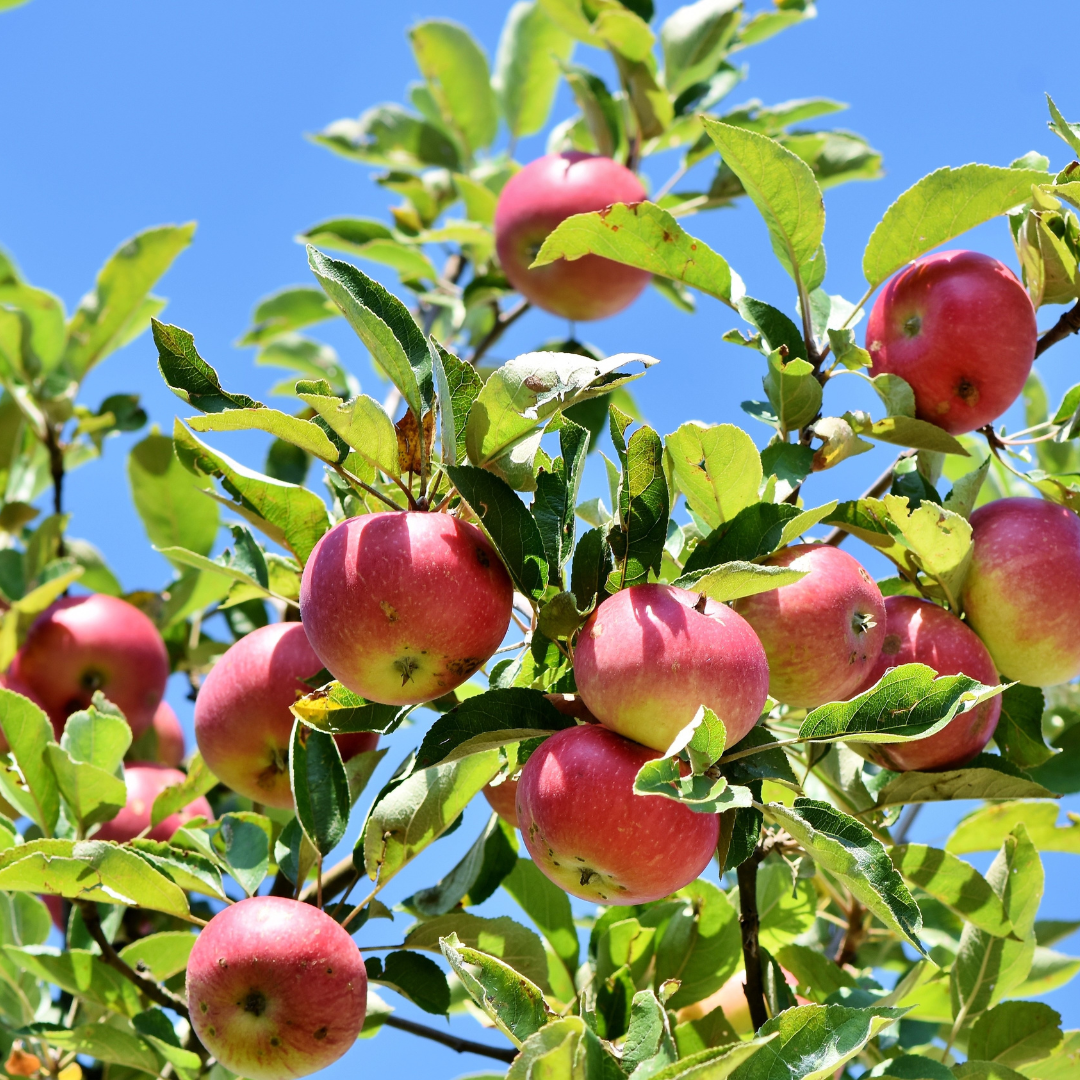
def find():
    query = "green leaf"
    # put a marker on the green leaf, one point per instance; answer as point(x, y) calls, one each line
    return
point(28, 782)
point(320, 787)
point(288, 514)
point(776, 328)
point(308, 359)
point(458, 385)
point(1015, 1033)
point(601, 112)
point(371, 240)
point(1049, 971)
point(717, 468)
point(123, 876)
point(786, 907)
point(416, 977)
point(548, 907)
point(285, 311)
point(163, 954)
point(845, 847)
point(793, 391)
point(91, 795)
point(103, 318)
point(1019, 731)
point(815, 971)
point(552, 1051)
point(383, 324)
point(99, 738)
point(852, 357)
point(508, 524)
point(784, 190)
point(647, 237)
point(337, 710)
point(906, 431)
point(957, 884)
point(713, 1063)
point(940, 206)
point(694, 39)
point(362, 422)
point(115, 1042)
point(638, 546)
point(1062, 128)
point(390, 136)
point(703, 794)
point(420, 809)
point(245, 842)
point(648, 1038)
point(965, 491)
point(987, 828)
point(188, 869)
point(514, 1003)
point(527, 67)
point(733, 580)
point(456, 70)
point(754, 532)
point(189, 376)
point(987, 777)
point(515, 945)
point(80, 973)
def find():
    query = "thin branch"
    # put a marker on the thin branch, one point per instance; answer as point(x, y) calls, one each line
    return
point(462, 1046)
point(906, 821)
point(856, 925)
point(56, 468)
point(336, 880)
point(151, 989)
point(749, 926)
point(502, 324)
point(1068, 324)
point(356, 482)
point(671, 181)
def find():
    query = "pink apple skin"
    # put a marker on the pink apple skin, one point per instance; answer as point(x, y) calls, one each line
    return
point(170, 736)
point(10, 681)
point(646, 661)
point(85, 643)
point(960, 328)
point(817, 632)
point(55, 904)
point(587, 830)
point(243, 723)
point(404, 607)
point(1022, 594)
point(539, 197)
point(145, 782)
point(919, 632)
point(276, 988)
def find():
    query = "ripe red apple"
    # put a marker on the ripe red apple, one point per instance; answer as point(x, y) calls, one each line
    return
point(243, 722)
point(647, 659)
point(1022, 594)
point(404, 607)
point(822, 634)
point(587, 830)
point(919, 632)
point(960, 328)
point(276, 988)
point(85, 643)
point(170, 735)
point(539, 197)
point(145, 782)
point(10, 681)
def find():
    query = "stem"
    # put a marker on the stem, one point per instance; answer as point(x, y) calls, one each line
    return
point(874, 491)
point(749, 924)
point(56, 468)
point(849, 949)
point(151, 989)
point(356, 482)
point(1069, 323)
point(337, 879)
point(462, 1046)
point(408, 490)
point(905, 823)
point(671, 181)
point(502, 324)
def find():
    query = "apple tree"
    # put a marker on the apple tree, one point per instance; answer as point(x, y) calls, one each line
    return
point(694, 710)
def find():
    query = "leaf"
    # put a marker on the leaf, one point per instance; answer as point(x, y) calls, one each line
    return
point(320, 787)
point(694, 39)
point(1049, 970)
point(514, 1003)
point(189, 869)
point(415, 976)
point(777, 330)
point(987, 828)
point(957, 884)
point(29, 784)
point(97, 737)
point(1062, 128)
point(509, 525)
point(420, 809)
point(703, 794)
point(965, 491)
point(372, 240)
point(733, 580)
point(1019, 731)
point(717, 468)
point(288, 514)
point(850, 355)
point(552, 1051)
point(815, 971)
point(163, 955)
point(189, 376)
point(114, 1042)
point(793, 391)
point(785, 192)
point(285, 311)
point(548, 907)
point(458, 385)
point(91, 795)
point(647, 237)
point(526, 73)
point(509, 941)
point(600, 111)
point(389, 135)
point(124, 877)
point(383, 324)
point(906, 431)
point(983, 778)
point(457, 74)
point(648, 1041)
point(940, 206)
point(643, 512)
point(1015, 1033)
point(847, 848)
point(103, 318)
point(714, 1063)
point(308, 359)
point(245, 839)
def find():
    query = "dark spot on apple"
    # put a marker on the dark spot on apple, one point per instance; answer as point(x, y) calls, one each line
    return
point(254, 1002)
point(203, 1007)
point(222, 962)
point(464, 667)
point(699, 606)
point(967, 392)
point(211, 1030)
point(482, 557)
point(275, 1041)
point(320, 1034)
point(912, 325)
point(587, 875)
point(329, 971)
point(891, 645)
point(389, 611)
point(91, 680)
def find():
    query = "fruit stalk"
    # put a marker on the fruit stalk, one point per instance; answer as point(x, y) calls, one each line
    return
point(503, 323)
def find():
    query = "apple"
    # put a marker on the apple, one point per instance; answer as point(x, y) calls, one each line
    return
point(85, 643)
point(589, 833)
point(145, 782)
point(960, 328)
point(539, 197)
point(243, 722)
point(822, 634)
point(276, 988)
point(731, 1000)
point(404, 607)
point(170, 735)
point(919, 632)
point(650, 656)
point(1022, 593)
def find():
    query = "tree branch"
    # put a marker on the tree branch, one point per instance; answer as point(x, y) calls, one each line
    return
point(462, 1046)
point(1068, 323)
point(749, 925)
point(856, 930)
point(502, 324)
point(155, 992)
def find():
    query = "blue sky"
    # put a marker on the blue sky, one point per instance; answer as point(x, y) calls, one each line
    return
point(115, 116)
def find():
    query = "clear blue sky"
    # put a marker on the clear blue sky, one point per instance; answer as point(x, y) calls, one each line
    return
point(115, 116)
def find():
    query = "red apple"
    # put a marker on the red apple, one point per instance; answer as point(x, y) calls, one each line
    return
point(170, 735)
point(647, 659)
point(822, 634)
point(919, 632)
point(587, 830)
point(276, 988)
point(10, 681)
point(55, 904)
point(85, 643)
point(404, 607)
point(539, 197)
point(1022, 594)
point(243, 722)
point(960, 328)
point(145, 782)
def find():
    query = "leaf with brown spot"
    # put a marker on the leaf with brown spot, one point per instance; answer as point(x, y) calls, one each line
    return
point(410, 452)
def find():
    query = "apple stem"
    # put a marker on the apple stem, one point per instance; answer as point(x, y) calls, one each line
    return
point(462, 1046)
point(356, 482)
point(749, 925)
point(1068, 323)
point(502, 323)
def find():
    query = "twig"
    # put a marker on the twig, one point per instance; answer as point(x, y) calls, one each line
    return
point(337, 879)
point(151, 989)
point(749, 926)
point(671, 181)
point(462, 1046)
point(874, 491)
point(502, 324)
point(56, 468)
point(355, 481)
point(906, 821)
point(856, 923)
point(1069, 323)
